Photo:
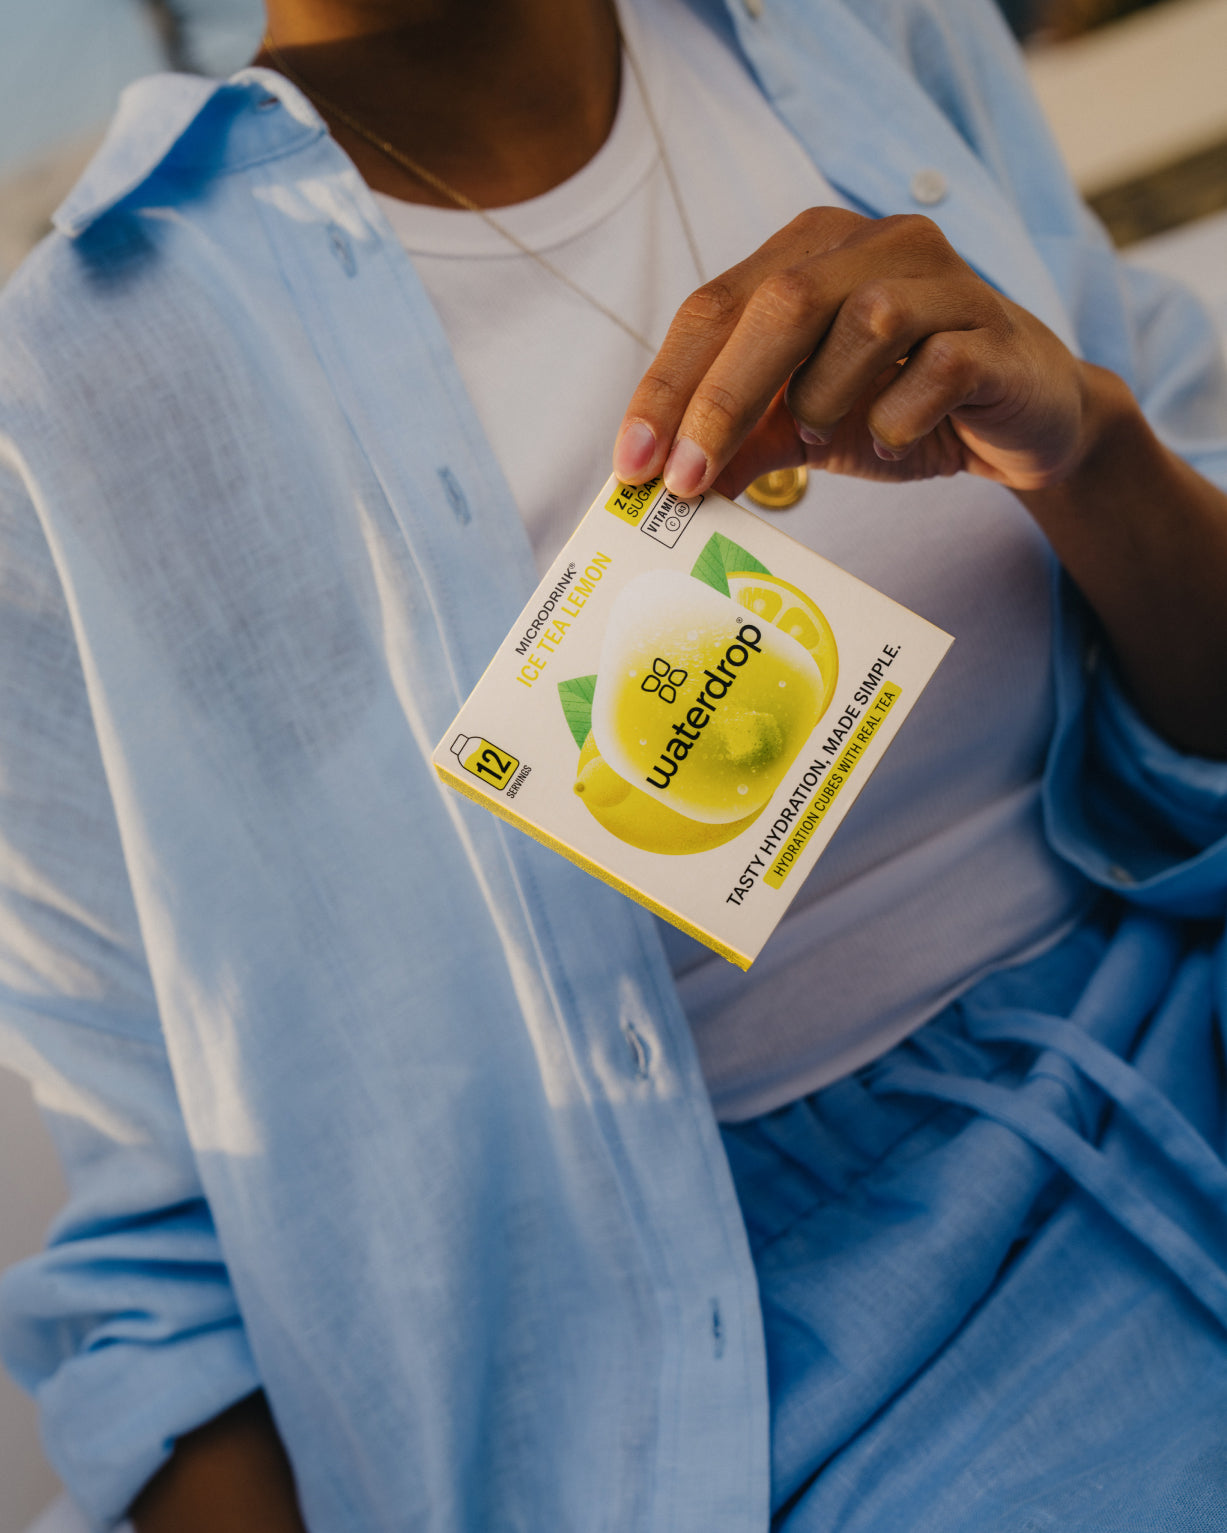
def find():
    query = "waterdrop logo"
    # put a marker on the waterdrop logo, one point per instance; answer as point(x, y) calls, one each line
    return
point(664, 680)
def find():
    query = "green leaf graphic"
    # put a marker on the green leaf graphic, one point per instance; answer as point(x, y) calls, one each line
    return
point(720, 557)
point(576, 699)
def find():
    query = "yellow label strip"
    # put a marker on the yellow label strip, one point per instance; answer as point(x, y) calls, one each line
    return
point(630, 501)
point(786, 859)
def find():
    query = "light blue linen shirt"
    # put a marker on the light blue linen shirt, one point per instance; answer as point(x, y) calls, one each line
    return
point(364, 1097)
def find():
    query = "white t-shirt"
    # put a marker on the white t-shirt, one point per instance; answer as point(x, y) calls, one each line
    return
point(940, 871)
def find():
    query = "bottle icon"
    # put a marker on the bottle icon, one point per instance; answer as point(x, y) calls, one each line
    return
point(495, 767)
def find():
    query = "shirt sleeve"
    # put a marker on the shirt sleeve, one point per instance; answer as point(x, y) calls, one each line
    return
point(1121, 803)
point(125, 1328)
point(1134, 813)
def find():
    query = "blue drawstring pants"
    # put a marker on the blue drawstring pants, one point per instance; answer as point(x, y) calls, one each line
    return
point(993, 1263)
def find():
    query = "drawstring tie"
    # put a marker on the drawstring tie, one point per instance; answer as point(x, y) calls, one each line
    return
point(1176, 1143)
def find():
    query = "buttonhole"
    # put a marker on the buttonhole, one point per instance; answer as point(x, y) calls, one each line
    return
point(639, 1050)
point(341, 248)
point(456, 497)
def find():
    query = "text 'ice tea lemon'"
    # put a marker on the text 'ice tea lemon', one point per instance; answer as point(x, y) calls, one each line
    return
point(699, 702)
point(643, 821)
point(776, 601)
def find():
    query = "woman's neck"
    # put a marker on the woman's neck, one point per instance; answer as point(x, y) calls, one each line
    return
point(502, 99)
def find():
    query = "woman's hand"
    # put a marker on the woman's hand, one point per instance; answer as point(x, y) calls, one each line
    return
point(870, 347)
point(859, 346)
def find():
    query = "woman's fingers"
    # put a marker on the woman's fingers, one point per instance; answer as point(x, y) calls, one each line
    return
point(781, 323)
point(819, 311)
point(885, 322)
point(830, 347)
point(793, 353)
point(696, 336)
point(699, 332)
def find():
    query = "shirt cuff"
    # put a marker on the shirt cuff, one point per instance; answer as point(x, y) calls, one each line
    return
point(1129, 810)
point(1187, 793)
point(115, 1391)
point(110, 1419)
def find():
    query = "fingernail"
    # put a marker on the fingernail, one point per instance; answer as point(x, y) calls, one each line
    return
point(685, 469)
point(633, 451)
point(887, 454)
point(813, 438)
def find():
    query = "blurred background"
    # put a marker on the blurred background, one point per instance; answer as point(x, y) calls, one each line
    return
point(1136, 91)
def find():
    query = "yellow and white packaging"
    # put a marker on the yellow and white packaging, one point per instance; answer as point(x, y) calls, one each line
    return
point(688, 706)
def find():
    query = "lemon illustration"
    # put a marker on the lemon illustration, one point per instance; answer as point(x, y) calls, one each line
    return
point(782, 604)
point(701, 702)
point(629, 813)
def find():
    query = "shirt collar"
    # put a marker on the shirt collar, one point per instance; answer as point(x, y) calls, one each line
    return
point(154, 124)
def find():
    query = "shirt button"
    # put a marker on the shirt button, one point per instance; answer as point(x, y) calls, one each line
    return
point(754, 8)
point(928, 187)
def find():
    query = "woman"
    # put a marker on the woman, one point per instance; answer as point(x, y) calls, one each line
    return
point(380, 1113)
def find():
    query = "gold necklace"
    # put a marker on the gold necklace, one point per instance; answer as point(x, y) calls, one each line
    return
point(429, 178)
point(775, 491)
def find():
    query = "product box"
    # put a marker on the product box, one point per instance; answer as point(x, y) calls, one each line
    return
point(688, 707)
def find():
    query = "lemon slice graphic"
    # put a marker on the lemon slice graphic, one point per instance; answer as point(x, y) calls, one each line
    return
point(774, 600)
point(629, 814)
